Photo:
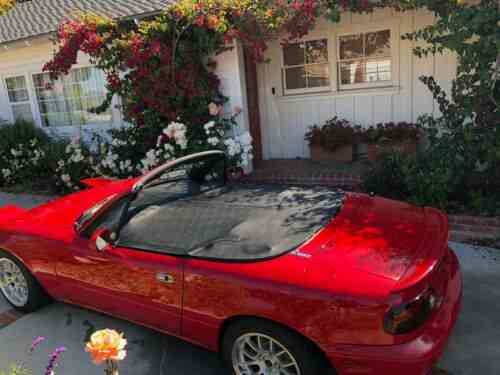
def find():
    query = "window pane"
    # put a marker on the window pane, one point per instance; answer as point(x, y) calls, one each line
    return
point(317, 51)
point(44, 94)
point(294, 54)
point(352, 72)
point(16, 89)
point(41, 80)
point(52, 106)
point(22, 112)
point(69, 100)
point(351, 47)
point(16, 83)
point(378, 70)
point(318, 75)
point(378, 43)
point(295, 78)
point(365, 71)
point(17, 96)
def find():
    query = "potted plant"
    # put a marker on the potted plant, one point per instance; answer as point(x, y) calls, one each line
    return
point(332, 141)
point(401, 137)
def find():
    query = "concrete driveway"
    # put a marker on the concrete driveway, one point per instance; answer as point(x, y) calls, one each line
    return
point(474, 348)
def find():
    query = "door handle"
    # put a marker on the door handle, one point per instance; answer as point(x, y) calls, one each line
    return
point(165, 278)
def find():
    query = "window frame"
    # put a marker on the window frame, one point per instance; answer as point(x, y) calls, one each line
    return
point(308, 90)
point(27, 81)
point(393, 57)
point(88, 126)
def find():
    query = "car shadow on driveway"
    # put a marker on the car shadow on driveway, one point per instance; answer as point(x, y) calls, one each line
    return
point(149, 352)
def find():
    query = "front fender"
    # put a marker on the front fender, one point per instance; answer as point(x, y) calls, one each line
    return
point(35, 254)
point(11, 212)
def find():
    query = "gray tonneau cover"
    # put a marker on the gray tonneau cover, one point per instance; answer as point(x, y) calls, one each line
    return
point(236, 222)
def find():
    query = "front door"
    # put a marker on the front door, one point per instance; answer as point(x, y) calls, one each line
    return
point(139, 286)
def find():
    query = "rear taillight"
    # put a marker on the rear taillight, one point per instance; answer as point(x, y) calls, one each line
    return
point(407, 317)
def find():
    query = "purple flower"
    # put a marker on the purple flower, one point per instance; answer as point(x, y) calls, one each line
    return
point(53, 360)
point(37, 341)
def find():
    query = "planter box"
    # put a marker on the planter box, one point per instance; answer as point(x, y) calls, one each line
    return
point(406, 148)
point(342, 154)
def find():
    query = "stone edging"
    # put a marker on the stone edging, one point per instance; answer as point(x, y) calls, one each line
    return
point(464, 227)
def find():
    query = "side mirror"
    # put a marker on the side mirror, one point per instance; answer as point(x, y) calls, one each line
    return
point(98, 240)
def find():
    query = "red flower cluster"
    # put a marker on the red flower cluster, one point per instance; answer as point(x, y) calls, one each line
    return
point(303, 19)
point(74, 36)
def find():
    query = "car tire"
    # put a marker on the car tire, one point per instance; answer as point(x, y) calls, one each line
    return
point(307, 359)
point(33, 298)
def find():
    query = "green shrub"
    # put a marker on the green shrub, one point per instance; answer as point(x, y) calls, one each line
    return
point(388, 177)
point(431, 180)
point(20, 132)
point(440, 178)
point(29, 156)
point(22, 152)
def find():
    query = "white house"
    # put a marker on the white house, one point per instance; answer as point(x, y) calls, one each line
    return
point(358, 69)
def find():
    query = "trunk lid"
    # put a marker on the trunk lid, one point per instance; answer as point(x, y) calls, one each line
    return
point(385, 238)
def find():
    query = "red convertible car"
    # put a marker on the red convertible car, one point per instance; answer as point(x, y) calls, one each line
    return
point(280, 280)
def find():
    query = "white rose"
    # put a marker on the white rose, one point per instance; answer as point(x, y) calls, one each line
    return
point(213, 141)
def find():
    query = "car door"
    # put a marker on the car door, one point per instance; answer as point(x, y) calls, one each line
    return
point(134, 284)
point(151, 230)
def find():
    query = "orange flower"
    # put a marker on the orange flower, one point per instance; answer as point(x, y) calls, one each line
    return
point(212, 22)
point(106, 345)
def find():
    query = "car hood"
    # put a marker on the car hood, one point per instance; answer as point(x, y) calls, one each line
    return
point(389, 239)
point(61, 212)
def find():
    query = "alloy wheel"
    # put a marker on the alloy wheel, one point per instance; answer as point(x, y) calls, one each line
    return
point(258, 354)
point(13, 284)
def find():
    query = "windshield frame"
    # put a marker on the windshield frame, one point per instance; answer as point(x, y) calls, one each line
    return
point(96, 210)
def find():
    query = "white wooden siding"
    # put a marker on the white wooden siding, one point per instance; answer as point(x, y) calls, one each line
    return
point(285, 119)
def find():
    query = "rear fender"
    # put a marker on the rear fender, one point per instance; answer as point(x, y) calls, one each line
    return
point(435, 246)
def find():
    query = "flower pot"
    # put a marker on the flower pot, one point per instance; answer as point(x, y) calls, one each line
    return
point(408, 148)
point(342, 154)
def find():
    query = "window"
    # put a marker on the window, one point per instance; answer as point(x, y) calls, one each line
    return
point(109, 219)
point(19, 98)
point(365, 59)
point(70, 100)
point(306, 67)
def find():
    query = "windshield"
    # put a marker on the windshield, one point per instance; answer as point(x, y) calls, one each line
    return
point(87, 215)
